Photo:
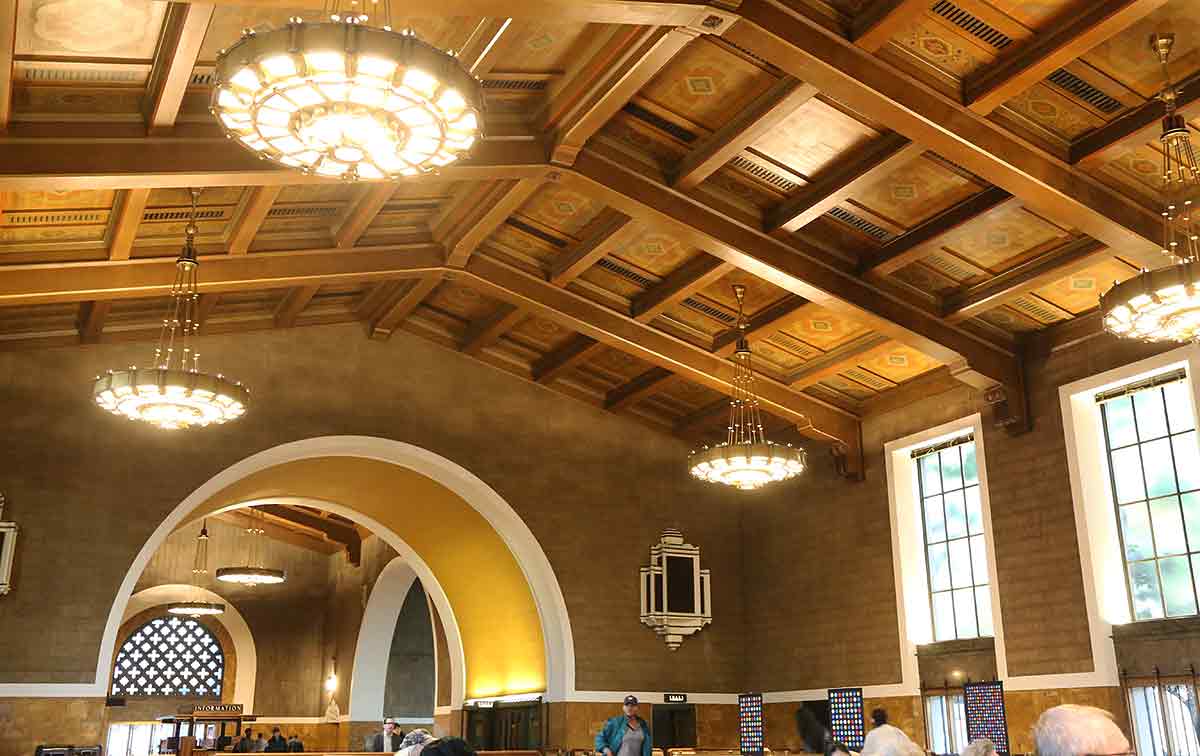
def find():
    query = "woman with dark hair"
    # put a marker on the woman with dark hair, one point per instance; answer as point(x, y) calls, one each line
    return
point(837, 749)
point(812, 732)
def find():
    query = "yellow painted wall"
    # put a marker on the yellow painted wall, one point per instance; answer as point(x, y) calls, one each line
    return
point(497, 617)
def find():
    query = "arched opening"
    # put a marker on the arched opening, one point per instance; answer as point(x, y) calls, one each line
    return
point(504, 617)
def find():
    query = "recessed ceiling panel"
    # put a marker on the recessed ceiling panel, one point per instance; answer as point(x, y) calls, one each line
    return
point(89, 28)
point(814, 137)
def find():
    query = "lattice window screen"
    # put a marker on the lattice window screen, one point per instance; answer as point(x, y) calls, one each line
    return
point(169, 656)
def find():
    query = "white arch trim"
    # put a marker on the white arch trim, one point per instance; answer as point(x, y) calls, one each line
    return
point(552, 608)
point(232, 620)
point(368, 684)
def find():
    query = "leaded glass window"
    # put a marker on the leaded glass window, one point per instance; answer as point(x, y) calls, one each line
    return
point(169, 656)
point(1154, 471)
point(955, 548)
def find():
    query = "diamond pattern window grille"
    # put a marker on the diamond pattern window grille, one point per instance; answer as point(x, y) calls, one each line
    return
point(169, 656)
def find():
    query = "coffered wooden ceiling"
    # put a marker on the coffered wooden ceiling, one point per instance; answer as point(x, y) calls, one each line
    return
point(914, 193)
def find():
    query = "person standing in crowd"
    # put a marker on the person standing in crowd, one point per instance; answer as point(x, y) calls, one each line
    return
point(276, 744)
point(414, 742)
point(387, 741)
point(295, 745)
point(1071, 730)
point(245, 743)
point(886, 740)
point(980, 747)
point(626, 734)
point(260, 743)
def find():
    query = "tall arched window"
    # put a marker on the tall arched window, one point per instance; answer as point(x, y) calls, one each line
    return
point(169, 656)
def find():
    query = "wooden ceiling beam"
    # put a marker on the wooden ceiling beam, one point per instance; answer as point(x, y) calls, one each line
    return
point(608, 232)
point(204, 309)
point(789, 265)
point(576, 351)
point(91, 320)
point(764, 323)
point(466, 223)
point(751, 123)
point(78, 282)
point(396, 312)
point(883, 19)
point(696, 420)
point(630, 393)
point(8, 42)
point(601, 324)
point(178, 49)
point(910, 246)
point(842, 181)
point(695, 275)
point(334, 531)
point(868, 85)
point(1088, 325)
point(1139, 126)
point(838, 359)
point(31, 164)
point(1024, 278)
point(292, 304)
point(130, 207)
point(1050, 50)
point(486, 332)
point(927, 384)
point(362, 213)
point(478, 53)
point(256, 203)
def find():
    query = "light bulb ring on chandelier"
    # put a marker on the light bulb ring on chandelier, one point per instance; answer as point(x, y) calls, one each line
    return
point(347, 100)
point(195, 608)
point(248, 575)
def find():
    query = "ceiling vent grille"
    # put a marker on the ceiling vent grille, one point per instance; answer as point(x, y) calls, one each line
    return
point(713, 312)
point(38, 74)
point(617, 269)
point(1034, 309)
point(793, 345)
point(19, 218)
point(516, 85)
point(203, 78)
point(303, 211)
point(949, 267)
point(861, 224)
point(764, 174)
point(660, 123)
point(870, 380)
point(183, 213)
point(534, 231)
point(1081, 90)
point(971, 25)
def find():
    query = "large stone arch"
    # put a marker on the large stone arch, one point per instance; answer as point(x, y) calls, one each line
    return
point(506, 626)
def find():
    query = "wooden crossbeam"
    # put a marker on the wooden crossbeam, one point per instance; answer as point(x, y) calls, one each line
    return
point(791, 266)
point(607, 232)
point(828, 190)
point(463, 226)
point(403, 305)
point(78, 282)
point(764, 323)
point(745, 128)
point(601, 324)
point(807, 51)
point(578, 350)
point(927, 384)
point(607, 81)
point(332, 530)
point(91, 320)
point(130, 207)
point(179, 44)
point(8, 41)
point(910, 247)
point(252, 213)
point(1138, 126)
point(1081, 328)
point(876, 26)
point(838, 359)
point(478, 53)
point(361, 214)
point(483, 334)
point(647, 384)
point(1050, 50)
point(1032, 274)
point(691, 423)
point(292, 304)
point(204, 308)
point(696, 274)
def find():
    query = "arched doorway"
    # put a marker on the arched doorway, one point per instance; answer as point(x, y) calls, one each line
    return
point(504, 616)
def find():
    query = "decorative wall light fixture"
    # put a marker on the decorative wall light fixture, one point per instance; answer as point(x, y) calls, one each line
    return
point(343, 99)
point(746, 460)
point(676, 593)
point(174, 393)
point(1164, 304)
point(8, 550)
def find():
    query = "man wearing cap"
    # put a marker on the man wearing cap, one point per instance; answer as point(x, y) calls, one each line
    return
point(625, 735)
point(387, 741)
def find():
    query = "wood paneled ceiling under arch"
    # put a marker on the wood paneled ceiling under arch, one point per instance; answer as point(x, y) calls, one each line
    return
point(915, 193)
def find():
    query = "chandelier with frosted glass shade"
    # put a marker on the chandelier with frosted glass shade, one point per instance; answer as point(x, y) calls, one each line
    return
point(1164, 304)
point(345, 99)
point(196, 605)
point(253, 572)
point(173, 392)
point(746, 460)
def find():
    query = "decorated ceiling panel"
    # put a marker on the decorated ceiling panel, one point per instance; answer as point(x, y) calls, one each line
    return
point(64, 29)
point(814, 138)
point(915, 191)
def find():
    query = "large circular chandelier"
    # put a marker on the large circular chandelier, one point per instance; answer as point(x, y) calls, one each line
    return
point(340, 98)
point(198, 607)
point(746, 460)
point(1164, 304)
point(253, 572)
point(174, 393)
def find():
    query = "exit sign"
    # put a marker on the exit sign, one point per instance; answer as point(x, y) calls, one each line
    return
point(674, 697)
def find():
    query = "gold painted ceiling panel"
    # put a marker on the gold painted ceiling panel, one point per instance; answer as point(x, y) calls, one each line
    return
point(89, 28)
point(914, 192)
point(707, 84)
point(1001, 236)
point(1050, 109)
point(1127, 56)
point(564, 210)
point(823, 328)
point(1081, 291)
point(813, 138)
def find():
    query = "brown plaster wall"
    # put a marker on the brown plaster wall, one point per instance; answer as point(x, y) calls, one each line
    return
point(26, 723)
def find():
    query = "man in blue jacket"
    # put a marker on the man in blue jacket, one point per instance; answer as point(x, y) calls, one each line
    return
point(625, 735)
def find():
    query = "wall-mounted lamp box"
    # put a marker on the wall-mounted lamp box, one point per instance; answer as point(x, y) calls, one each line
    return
point(676, 593)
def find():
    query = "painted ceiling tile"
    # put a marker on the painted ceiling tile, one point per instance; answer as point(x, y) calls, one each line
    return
point(759, 293)
point(1000, 235)
point(814, 137)
point(89, 28)
point(900, 363)
point(1127, 57)
point(1137, 171)
point(935, 44)
point(1050, 109)
point(561, 209)
point(656, 252)
point(707, 85)
point(822, 328)
point(1081, 291)
point(59, 199)
point(461, 301)
point(914, 192)
point(532, 46)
